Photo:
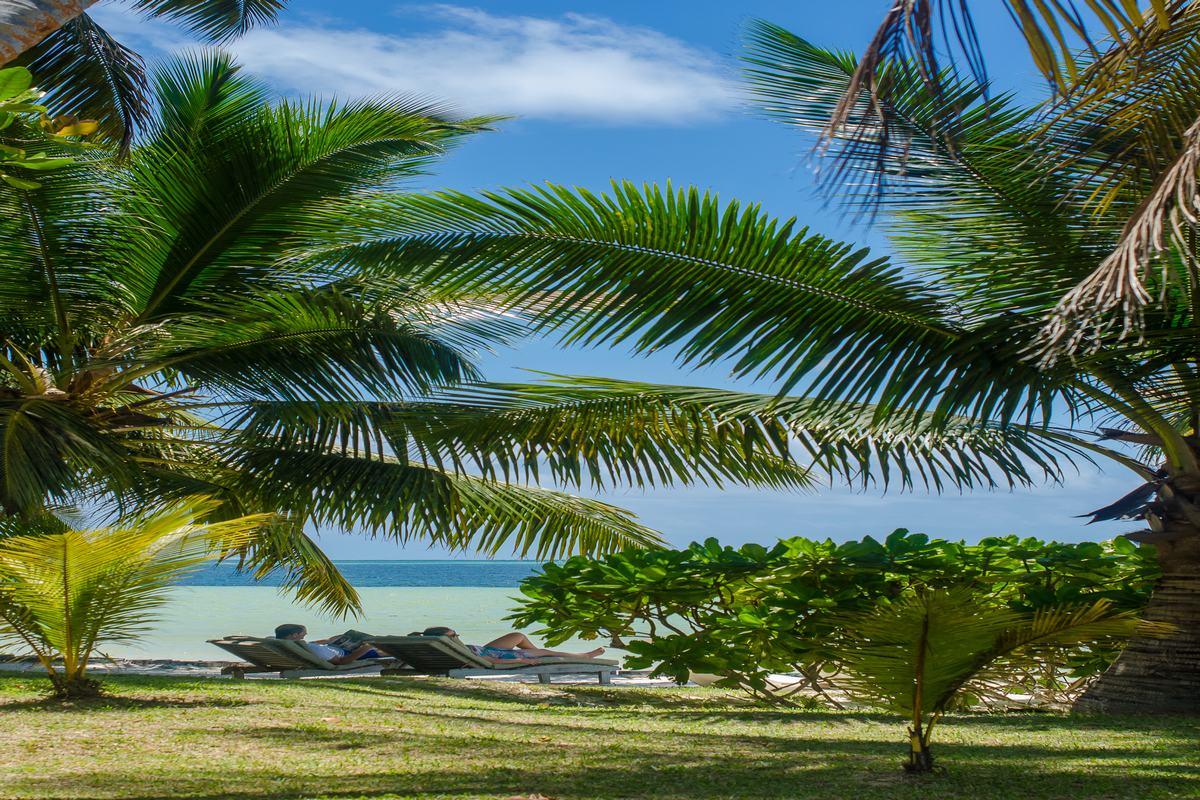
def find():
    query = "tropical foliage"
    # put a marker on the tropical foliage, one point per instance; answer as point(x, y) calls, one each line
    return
point(920, 652)
point(187, 320)
point(935, 371)
point(1122, 121)
point(750, 612)
point(95, 76)
point(25, 130)
point(65, 593)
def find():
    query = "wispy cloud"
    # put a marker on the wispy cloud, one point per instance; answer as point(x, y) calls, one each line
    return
point(569, 67)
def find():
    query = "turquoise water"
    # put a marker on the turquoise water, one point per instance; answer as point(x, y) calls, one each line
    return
point(398, 597)
point(367, 574)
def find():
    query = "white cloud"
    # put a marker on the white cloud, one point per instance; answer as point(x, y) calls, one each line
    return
point(569, 67)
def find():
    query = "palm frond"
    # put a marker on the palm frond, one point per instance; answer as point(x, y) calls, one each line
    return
point(582, 432)
point(854, 442)
point(909, 33)
point(73, 590)
point(51, 449)
point(92, 76)
point(282, 547)
point(664, 269)
point(235, 177)
point(919, 652)
point(403, 500)
point(983, 216)
point(215, 20)
point(1131, 131)
point(913, 654)
point(303, 343)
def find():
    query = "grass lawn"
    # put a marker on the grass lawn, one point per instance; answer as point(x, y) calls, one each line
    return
point(428, 738)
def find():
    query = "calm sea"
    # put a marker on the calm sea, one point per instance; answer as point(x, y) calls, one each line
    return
point(398, 597)
point(366, 574)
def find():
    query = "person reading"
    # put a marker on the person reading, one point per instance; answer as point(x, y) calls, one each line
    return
point(509, 648)
point(334, 650)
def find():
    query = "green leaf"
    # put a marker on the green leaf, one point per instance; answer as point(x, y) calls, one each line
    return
point(14, 81)
point(20, 183)
point(40, 162)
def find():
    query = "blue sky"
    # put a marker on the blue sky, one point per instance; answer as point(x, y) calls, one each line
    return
point(645, 91)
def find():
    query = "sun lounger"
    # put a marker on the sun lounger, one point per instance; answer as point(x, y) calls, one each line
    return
point(440, 655)
point(288, 658)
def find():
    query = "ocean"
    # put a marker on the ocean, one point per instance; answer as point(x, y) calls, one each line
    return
point(473, 597)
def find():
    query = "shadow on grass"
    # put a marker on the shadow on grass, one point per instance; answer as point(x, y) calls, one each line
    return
point(596, 769)
point(699, 708)
point(448, 738)
point(109, 702)
point(534, 694)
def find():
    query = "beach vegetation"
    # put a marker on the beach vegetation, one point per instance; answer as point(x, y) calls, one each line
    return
point(1039, 313)
point(188, 320)
point(26, 129)
point(917, 654)
point(66, 592)
point(748, 614)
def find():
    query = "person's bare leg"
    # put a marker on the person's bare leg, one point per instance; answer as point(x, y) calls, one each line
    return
point(541, 652)
point(512, 641)
point(519, 641)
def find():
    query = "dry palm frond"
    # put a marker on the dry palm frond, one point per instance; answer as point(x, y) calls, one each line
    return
point(1164, 218)
point(1058, 33)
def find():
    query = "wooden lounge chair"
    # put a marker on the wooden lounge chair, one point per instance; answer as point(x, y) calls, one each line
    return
point(288, 658)
point(441, 655)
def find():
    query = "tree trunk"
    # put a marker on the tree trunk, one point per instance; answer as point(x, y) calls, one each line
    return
point(920, 759)
point(24, 23)
point(1160, 675)
point(73, 686)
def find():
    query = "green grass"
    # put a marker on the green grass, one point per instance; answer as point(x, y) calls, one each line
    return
point(428, 738)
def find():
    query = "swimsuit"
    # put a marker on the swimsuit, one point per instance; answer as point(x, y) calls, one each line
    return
point(496, 652)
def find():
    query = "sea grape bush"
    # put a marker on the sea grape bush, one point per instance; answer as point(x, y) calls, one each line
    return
point(745, 613)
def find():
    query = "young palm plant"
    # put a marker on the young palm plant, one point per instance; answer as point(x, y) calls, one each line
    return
point(173, 329)
point(920, 653)
point(931, 373)
point(65, 593)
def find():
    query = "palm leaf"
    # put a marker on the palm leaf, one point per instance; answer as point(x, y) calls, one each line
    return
point(663, 269)
point(852, 442)
point(74, 590)
point(304, 343)
point(93, 76)
point(594, 433)
point(403, 500)
point(308, 574)
point(912, 654)
point(216, 20)
point(983, 216)
point(229, 179)
point(920, 652)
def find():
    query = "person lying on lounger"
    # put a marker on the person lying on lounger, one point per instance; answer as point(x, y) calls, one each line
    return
point(508, 648)
point(328, 649)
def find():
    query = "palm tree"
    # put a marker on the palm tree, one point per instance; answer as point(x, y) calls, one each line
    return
point(92, 74)
point(65, 592)
point(928, 374)
point(920, 653)
point(172, 329)
point(1124, 91)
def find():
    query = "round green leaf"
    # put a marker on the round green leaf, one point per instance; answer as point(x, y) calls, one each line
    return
point(14, 81)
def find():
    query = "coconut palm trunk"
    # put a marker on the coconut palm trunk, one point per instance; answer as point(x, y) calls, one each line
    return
point(24, 23)
point(1160, 674)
